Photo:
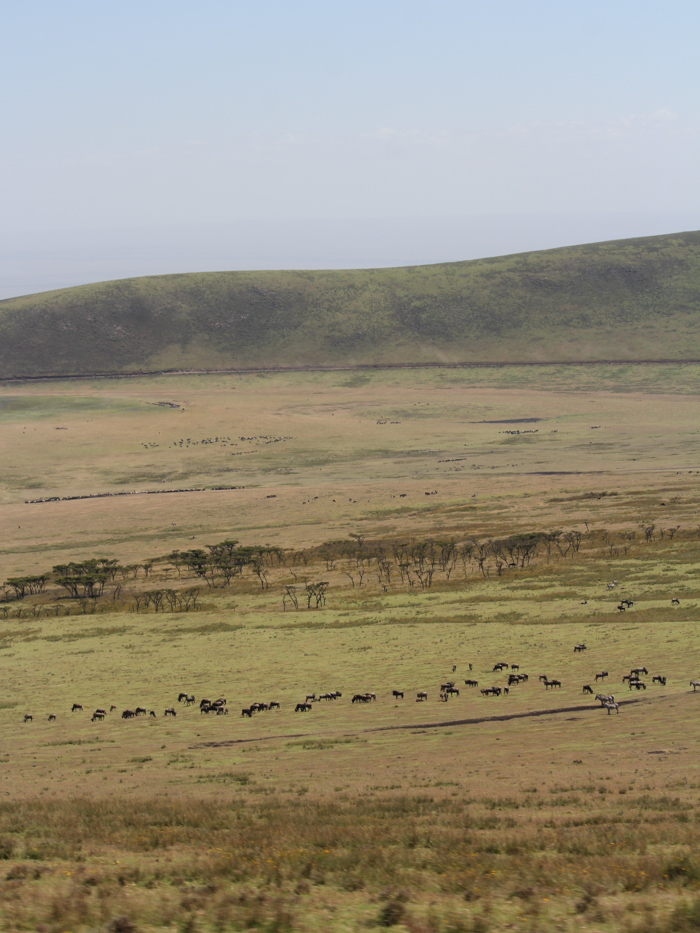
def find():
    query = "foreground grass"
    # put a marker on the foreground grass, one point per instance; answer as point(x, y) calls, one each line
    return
point(608, 856)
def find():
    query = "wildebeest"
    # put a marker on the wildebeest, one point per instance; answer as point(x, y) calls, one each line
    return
point(274, 705)
point(397, 694)
point(128, 714)
point(28, 717)
point(551, 683)
point(675, 601)
point(98, 715)
point(310, 696)
point(247, 712)
point(601, 675)
point(189, 700)
point(169, 711)
point(141, 711)
point(491, 691)
point(515, 667)
point(76, 707)
point(694, 684)
point(181, 697)
point(500, 666)
point(52, 717)
point(471, 683)
point(637, 684)
point(636, 671)
point(659, 679)
point(152, 713)
point(421, 695)
point(587, 689)
point(580, 647)
point(302, 707)
point(204, 702)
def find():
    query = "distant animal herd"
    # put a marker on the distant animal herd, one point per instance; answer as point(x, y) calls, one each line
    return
point(447, 691)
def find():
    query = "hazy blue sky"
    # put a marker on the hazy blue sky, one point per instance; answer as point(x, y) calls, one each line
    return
point(171, 128)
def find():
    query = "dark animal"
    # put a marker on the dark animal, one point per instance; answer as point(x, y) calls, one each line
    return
point(552, 683)
point(491, 691)
point(169, 711)
point(97, 715)
point(27, 717)
point(579, 648)
point(204, 702)
point(274, 705)
point(152, 713)
point(421, 695)
point(471, 683)
point(128, 714)
point(639, 670)
point(181, 697)
point(76, 706)
point(601, 675)
point(675, 601)
point(189, 701)
point(248, 713)
point(587, 689)
point(659, 679)
point(302, 707)
point(515, 667)
point(694, 684)
point(141, 711)
point(52, 718)
point(397, 694)
point(112, 708)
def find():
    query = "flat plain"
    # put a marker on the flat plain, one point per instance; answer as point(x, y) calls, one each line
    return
point(533, 810)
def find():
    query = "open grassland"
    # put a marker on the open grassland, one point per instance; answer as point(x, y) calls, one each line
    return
point(535, 810)
point(626, 299)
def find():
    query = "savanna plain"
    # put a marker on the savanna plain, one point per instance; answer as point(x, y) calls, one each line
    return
point(267, 539)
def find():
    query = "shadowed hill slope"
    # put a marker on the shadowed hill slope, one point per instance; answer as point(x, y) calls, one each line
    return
point(626, 300)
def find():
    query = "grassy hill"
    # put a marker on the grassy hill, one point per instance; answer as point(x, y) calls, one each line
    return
point(627, 300)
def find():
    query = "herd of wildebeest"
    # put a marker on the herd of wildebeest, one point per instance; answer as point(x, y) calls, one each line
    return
point(448, 690)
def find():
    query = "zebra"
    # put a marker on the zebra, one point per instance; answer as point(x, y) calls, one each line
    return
point(612, 706)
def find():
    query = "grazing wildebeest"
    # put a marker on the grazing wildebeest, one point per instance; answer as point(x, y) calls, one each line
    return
point(169, 711)
point(181, 697)
point(128, 714)
point(659, 679)
point(638, 684)
point(452, 691)
point(499, 666)
point(580, 647)
point(552, 683)
point(310, 696)
point(247, 712)
point(28, 717)
point(471, 683)
point(302, 707)
point(587, 689)
point(152, 713)
point(515, 667)
point(491, 691)
point(421, 695)
point(542, 678)
point(601, 675)
point(675, 601)
point(694, 684)
point(446, 686)
point(274, 705)
point(189, 700)
point(97, 715)
point(639, 670)
point(76, 706)
point(206, 708)
point(204, 702)
point(621, 607)
point(444, 697)
point(141, 711)
point(52, 717)
point(397, 694)
point(112, 708)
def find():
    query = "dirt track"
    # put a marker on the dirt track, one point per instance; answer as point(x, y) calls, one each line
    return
point(580, 708)
point(357, 367)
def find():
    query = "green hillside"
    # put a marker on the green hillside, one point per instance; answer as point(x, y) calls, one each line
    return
point(627, 300)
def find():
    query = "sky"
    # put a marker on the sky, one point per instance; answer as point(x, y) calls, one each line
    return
point(171, 135)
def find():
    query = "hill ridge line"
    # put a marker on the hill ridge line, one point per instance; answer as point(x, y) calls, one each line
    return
point(354, 367)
